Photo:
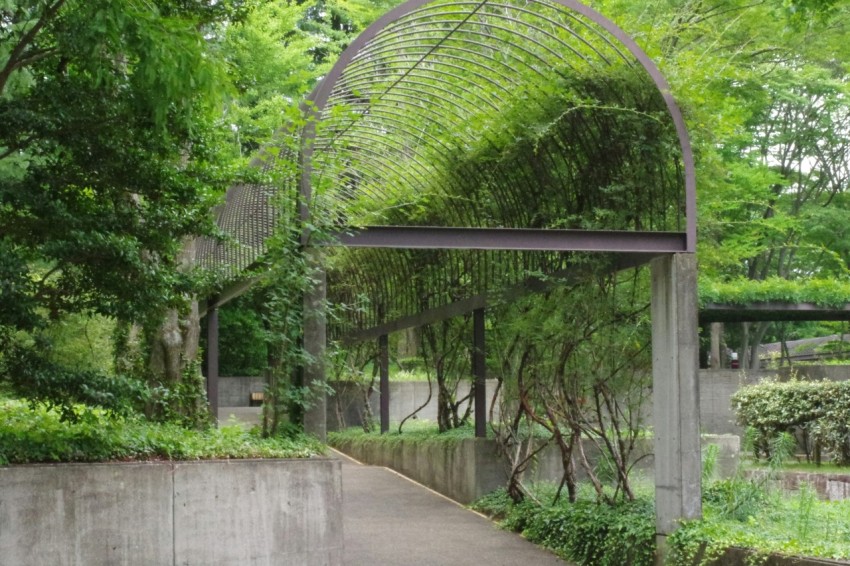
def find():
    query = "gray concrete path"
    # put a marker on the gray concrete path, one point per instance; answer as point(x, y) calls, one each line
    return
point(389, 520)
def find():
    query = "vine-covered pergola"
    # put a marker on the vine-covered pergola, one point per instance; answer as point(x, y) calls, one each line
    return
point(458, 151)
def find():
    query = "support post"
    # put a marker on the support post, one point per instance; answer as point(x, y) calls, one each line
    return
point(315, 339)
point(212, 358)
point(384, 361)
point(675, 394)
point(479, 371)
point(716, 333)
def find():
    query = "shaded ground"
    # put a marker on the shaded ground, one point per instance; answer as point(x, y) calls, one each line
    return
point(392, 521)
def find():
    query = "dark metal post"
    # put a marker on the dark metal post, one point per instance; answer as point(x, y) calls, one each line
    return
point(212, 357)
point(479, 372)
point(384, 361)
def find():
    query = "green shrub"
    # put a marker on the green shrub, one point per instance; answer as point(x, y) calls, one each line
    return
point(820, 409)
point(30, 434)
point(41, 380)
point(585, 532)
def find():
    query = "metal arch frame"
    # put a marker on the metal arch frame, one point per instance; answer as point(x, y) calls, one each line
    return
point(319, 97)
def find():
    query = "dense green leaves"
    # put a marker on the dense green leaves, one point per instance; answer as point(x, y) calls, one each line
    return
point(583, 531)
point(31, 434)
point(818, 410)
point(104, 162)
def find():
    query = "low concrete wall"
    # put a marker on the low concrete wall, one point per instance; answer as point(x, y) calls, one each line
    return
point(466, 469)
point(828, 486)
point(346, 406)
point(741, 557)
point(718, 386)
point(236, 391)
point(259, 512)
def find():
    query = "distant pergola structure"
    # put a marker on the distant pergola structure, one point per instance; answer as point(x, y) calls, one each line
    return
point(458, 147)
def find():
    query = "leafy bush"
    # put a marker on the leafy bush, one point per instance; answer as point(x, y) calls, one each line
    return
point(34, 376)
point(818, 409)
point(824, 292)
point(38, 434)
point(584, 532)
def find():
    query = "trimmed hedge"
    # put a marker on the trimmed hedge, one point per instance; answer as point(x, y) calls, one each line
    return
point(820, 410)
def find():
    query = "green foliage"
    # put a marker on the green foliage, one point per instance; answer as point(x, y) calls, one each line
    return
point(183, 403)
point(31, 434)
point(415, 432)
point(820, 409)
point(83, 342)
point(797, 525)
point(106, 159)
point(71, 391)
point(822, 292)
point(242, 347)
point(583, 532)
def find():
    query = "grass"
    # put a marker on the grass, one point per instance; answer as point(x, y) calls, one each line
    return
point(794, 525)
point(589, 533)
point(35, 434)
point(795, 466)
point(415, 430)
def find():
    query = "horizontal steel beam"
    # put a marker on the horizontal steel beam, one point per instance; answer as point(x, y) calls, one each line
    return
point(432, 237)
point(464, 306)
point(229, 293)
point(429, 316)
point(771, 311)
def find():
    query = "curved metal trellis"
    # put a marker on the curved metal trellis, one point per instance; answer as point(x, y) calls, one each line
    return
point(461, 148)
point(452, 129)
point(411, 148)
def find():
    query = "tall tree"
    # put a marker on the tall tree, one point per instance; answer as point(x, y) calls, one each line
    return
point(764, 86)
point(106, 161)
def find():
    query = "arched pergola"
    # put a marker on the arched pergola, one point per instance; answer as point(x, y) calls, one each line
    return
point(474, 143)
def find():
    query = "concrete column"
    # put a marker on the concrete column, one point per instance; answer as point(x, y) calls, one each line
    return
point(479, 370)
point(716, 334)
point(212, 358)
point(384, 366)
point(675, 393)
point(315, 339)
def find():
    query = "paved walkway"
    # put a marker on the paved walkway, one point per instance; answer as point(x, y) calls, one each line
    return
point(391, 521)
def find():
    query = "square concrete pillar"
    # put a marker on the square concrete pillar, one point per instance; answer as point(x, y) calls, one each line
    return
point(675, 392)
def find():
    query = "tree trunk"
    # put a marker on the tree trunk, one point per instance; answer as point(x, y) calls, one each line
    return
point(174, 345)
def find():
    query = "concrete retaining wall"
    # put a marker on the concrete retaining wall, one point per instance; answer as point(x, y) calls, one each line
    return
point(718, 386)
point(257, 512)
point(467, 469)
point(346, 406)
point(828, 486)
point(741, 557)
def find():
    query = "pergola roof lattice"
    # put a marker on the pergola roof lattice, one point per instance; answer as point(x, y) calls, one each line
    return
point(450, 128)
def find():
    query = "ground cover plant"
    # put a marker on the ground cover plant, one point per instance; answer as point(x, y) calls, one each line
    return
point(584, 531)
point(33, 433)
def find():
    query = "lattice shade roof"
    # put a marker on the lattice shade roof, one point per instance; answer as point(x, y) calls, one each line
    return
point(517, 125)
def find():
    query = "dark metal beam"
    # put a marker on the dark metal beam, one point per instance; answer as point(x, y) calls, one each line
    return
point(479, 373)
point(531, 285)
point(229, 293)
point(384, 361)
point(429, 316)
point(432, 237)
point(771, 311)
